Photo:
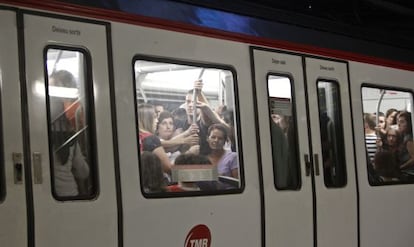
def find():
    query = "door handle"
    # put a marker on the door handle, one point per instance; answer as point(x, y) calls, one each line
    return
point(18, 168)
point(307, 165)
point(316, 162)
point(37, 168)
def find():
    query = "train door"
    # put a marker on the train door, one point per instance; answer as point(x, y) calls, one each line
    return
point(333, 149)
point(281, 104)
point(175, 190)
point(306, 204)
point(13, 213)
point(69, 123)
point(385, 170)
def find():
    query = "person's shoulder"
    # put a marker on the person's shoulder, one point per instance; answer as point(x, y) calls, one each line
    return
point(230, 154)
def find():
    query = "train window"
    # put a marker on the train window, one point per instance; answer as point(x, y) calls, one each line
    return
point(332, 136)
point(70, 124)
point(286, 167)
point(186, 119)
point(387, 115)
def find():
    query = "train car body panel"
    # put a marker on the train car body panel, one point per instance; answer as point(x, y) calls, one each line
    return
point(305, 175)
point(13, 206)
point(385, 210)
point(79, 222)
point(168, 221)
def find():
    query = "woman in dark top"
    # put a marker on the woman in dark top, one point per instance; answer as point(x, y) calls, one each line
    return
point(407, 152)
point(147, 123)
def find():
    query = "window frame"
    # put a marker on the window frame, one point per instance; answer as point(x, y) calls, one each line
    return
point(236, 112)
point(296, 136)
point(391, 88)
point(91, 120)
point(340, 120)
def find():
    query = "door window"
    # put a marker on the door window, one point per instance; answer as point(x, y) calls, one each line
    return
point(70, 124)
point(332, 136)
point(286, 167)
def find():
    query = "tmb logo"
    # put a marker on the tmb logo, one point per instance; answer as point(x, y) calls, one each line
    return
point(199, 236)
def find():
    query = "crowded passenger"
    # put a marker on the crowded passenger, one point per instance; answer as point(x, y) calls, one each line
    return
point(407, 154)
point(174, 143)
point(70, 168)
point(394, 158)
point(391, 117)
point(228, 117)
point(370, 135)
point(386, 167)
point(189, 159)
point(148, 141)
point(201, 112)
point(153, 179)
point(226, 161)
point(381, 127)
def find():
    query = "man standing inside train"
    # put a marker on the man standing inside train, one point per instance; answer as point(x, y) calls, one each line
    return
point(200, 113)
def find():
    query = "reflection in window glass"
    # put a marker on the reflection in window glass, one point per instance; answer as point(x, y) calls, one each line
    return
point(283, 134)
point(332, 136)
point(187, 128)
point(73, 167)
point(388, 135)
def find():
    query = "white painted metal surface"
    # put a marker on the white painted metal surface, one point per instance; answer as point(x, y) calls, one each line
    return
point(71, 223)
point(233, 219)
point(13, 213)
point(386, 217)
point(289, 214)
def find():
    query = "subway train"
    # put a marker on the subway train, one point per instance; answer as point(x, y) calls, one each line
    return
point(121, 129)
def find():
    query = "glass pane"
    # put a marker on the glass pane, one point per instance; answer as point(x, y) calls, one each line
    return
point(286, 165)
point(187, 128)
point(332, 136)
point(388, 135)
point(73, 167)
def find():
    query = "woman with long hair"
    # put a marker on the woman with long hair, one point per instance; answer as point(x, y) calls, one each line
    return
point(147, 124)
point(407, 154)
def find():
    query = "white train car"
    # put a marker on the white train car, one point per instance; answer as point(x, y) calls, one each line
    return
point(88, 160)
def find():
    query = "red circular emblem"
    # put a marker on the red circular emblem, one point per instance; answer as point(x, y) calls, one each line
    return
point(199, 236)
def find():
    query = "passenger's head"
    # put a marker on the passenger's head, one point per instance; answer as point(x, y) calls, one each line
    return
point(404, 122)
point(217, 136)
point(189, 104)
point(369, 121)
point(393, 137)
point(147, 118)
point(165, 127)
point(158, 108)
point(180, 118)
point(62, 78)
point(386, 165)
point(220, 109)
point(381, 120)
point(191, 159)
point(152, 174)
point(390, 117)
point(228, 117)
